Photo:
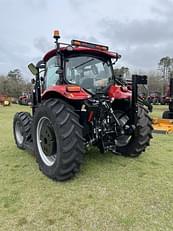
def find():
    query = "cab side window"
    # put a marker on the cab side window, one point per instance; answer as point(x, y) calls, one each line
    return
point(51, 77)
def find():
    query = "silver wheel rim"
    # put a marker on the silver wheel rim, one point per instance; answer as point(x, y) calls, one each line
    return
point(19, 133)
point(48, 160)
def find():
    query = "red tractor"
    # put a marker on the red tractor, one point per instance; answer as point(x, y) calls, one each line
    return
point(79, 102)
point(154, 98)
point(166, 98)
point(25, 98)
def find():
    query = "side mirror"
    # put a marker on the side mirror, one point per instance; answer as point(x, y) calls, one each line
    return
point(33, 69)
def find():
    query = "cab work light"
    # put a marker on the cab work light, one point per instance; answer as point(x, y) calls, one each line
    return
point(89, 45)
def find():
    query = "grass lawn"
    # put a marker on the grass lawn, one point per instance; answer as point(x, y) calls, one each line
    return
point(158, 110)
point(110, 193)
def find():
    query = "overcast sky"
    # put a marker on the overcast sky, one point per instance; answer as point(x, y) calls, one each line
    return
point(140, 30)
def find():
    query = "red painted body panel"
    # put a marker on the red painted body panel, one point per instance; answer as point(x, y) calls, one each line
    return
point(82, 50)
point(114, 91)
point(117, 92)
point(61, 89)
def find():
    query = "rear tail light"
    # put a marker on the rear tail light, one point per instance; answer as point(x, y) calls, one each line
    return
point(73, 88)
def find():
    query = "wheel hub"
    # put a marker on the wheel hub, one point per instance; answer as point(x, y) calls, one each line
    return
point(19, 132)
point(46, 141)
point(123, 139)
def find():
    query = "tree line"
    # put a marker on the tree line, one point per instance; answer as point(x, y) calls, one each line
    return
point(157, 80)
point(13, 84)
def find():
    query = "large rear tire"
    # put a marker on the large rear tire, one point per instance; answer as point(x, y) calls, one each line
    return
point(22, 129)
point(58, 140)
point(140, 139)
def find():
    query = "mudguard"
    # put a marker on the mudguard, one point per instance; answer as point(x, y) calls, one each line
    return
point(119, 92)
point(62, 90)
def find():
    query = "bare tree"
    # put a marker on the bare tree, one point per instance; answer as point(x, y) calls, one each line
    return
point(122, 72)
point(14, 84)
point(166, 67)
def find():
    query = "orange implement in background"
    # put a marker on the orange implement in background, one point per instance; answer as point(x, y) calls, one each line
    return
point(5, 100)
point(163, 126)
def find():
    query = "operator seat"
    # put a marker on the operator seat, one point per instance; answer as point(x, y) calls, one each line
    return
point(88, 83)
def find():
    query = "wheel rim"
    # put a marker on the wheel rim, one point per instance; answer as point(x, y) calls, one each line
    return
point(19, 132)
point(46, 141)
point(122, 140)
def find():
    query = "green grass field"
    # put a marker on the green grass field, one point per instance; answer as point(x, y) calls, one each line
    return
point(110, 193)
point(158, 110)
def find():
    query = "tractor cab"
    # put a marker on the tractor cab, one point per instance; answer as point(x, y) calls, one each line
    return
point(80, 63)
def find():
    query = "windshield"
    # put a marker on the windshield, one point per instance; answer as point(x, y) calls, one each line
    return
point(89, 72)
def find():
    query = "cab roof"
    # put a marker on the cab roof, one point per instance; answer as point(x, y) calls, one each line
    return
point(82, 50)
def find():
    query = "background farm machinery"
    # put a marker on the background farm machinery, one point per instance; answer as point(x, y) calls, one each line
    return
point(5, 100)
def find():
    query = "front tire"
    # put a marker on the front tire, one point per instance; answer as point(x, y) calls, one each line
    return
point(140, 139)
point(58, 140)
point(22, 126)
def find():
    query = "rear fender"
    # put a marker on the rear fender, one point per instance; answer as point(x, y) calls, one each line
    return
point(61, 91)
point(119, 92)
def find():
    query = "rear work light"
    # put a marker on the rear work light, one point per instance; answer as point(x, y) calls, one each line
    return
point(73, 88)
point(89, 45)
